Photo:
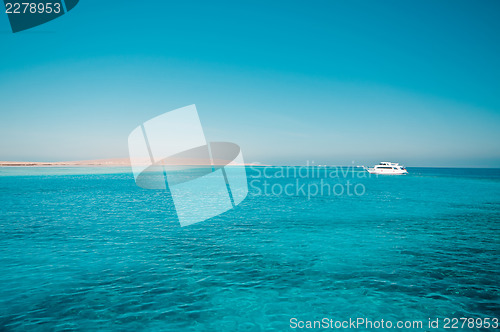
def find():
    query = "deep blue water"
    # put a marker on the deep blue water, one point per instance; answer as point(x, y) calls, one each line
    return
point(86, 249)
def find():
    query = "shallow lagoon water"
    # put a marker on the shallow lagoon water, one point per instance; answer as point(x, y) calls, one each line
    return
point(86, 249)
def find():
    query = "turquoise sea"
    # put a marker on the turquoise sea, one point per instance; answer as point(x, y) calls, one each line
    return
point(86, 249)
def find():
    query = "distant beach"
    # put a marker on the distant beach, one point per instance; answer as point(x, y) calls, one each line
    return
point(113, 162)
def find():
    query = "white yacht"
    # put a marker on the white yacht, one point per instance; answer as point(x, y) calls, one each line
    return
point(388, 168)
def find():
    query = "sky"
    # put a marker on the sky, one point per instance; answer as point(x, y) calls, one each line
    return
point(329, 82)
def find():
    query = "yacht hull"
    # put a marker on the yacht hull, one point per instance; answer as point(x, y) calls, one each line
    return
point(387, 172)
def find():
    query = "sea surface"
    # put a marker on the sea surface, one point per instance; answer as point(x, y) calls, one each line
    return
point(85, 249)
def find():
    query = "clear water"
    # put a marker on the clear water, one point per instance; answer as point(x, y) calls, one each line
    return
point(86, 249)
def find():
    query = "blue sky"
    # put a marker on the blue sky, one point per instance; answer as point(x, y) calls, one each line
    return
point(333, 82)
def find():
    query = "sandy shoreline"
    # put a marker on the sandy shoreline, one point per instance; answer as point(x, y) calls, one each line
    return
point(98, 162)
point(119, 162)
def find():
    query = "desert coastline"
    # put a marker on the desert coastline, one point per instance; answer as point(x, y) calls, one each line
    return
point(112, 162)
point(96, 162)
